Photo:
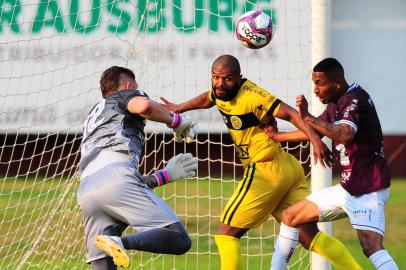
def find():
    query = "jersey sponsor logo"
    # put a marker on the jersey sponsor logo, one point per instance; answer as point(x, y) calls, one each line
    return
point(242, 151)
point(256, 91)
point(349, 109)
point(345, 175)
point(344, 159)
point(224, 109)
point(236, 122)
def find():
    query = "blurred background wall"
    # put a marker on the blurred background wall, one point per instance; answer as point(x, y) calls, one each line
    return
point(369, 38)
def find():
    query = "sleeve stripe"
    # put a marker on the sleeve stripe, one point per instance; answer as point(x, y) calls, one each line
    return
point(354, 126)
point(273, 107)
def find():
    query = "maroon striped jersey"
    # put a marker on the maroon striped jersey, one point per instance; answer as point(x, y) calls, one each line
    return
point(363, 165)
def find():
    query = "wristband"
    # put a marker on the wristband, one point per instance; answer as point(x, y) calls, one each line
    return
point(176, 120)
point(162, 177)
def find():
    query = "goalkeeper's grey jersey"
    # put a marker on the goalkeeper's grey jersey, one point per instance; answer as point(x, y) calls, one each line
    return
point(109, 125)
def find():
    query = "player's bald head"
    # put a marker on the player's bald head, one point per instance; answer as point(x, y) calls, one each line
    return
point(227, 61)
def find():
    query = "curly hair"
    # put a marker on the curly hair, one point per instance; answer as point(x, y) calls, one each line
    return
point(110, 79)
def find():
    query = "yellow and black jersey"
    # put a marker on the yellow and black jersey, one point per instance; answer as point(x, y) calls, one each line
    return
point(243, 115)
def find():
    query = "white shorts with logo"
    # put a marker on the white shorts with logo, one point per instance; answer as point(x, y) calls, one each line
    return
point(366, 212)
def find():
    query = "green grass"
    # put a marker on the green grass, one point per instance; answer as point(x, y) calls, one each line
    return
point(47, 208)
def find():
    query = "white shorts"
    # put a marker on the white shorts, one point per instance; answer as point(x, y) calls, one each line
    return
point(366, 212)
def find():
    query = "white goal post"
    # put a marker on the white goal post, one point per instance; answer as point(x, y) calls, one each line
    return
point(52, 54)
point(321, 42)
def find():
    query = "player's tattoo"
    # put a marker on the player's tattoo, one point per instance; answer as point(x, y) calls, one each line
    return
point(314, 121)
point(150, 180)
point(334, 128)
point(330, 127)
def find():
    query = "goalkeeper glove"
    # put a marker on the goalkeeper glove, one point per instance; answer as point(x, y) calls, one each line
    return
point(183, 127)
point(179, 167)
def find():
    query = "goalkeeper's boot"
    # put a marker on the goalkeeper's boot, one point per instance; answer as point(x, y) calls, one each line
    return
point(113, 246)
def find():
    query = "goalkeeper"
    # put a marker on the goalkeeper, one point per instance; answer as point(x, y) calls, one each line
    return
point(273, 179)
point(112, 193)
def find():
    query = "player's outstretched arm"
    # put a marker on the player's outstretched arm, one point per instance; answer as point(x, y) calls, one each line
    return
point(286, 136)
point(149, 109)
point(183, 126)
point(341, 133)
point(201, 101)
point(181, 166)
point(321, 152)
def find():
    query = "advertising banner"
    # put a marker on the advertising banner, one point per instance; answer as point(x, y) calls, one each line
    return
point(52, 54)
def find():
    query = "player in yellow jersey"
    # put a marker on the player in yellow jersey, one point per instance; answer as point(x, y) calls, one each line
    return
point(273, 179)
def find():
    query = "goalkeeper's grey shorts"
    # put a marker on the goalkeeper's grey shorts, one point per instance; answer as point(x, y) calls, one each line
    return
point(112, 196)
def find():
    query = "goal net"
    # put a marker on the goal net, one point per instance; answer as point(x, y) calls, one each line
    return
point(52, 54)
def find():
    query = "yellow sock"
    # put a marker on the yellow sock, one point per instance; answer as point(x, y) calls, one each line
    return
point(230, 253)
point(334, 251)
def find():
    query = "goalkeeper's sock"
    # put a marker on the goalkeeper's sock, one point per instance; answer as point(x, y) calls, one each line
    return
point(230, 252)
point(103, 264)
point(284, 247)
point(173, 239)
point(334, 251)
point(383, 261)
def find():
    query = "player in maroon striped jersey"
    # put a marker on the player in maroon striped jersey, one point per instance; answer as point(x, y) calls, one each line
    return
point(352, 123)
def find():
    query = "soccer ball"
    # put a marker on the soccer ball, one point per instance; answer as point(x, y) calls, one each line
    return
point(254, 29)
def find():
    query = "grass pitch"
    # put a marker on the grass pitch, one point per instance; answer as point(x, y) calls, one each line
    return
point(40, 228)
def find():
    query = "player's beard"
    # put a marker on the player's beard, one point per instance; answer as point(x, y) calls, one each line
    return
point(230, 95)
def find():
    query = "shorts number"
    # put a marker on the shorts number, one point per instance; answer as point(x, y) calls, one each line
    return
point(91, 123)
